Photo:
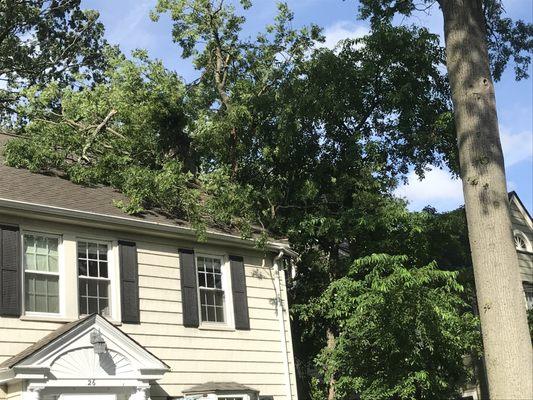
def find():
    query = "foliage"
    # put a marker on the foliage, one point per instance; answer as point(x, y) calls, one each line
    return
point(127, 132)
point(305, 141)
point(402, 332)
point(43, 40)
point(506, 39)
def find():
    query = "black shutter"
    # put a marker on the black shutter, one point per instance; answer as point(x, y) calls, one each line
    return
point(240, 297)
point(10, 271)
point(189, 289)
point(129, 282)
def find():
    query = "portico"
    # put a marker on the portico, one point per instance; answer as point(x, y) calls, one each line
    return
point(88, 359)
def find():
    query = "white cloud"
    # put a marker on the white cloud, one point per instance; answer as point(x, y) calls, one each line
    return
point(517, 147)
point(437, 189)
point(343, 30)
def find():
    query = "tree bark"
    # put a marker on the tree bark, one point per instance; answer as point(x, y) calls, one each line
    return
point(330, 345)
point(506, 341)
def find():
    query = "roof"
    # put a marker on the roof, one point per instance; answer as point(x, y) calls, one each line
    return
point(25, 186)
point(34, 348)
point(219, 387)
point(23, 189)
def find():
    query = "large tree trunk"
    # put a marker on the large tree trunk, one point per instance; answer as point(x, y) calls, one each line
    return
point(508, 354)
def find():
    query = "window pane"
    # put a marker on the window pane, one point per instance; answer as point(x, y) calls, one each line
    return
point(218, 281)
point(41, 245)
point(83, 287)
point(92, 288)
point(82, 267)
point(204, 314)
point(93, 268)
point(40, 285)
point(42, 293)
point(219, 314)
point(93, 305)
point(53, 304)
point(208, 265)
point(210, 281)
point(219, 298)
point(211, 314)
point(103, 269)
point(29, 261)
point(83, 305)
point(210, 298)
point(41, 253)
point(93, 251)
point(82, 250)
point(104, 307)
point(40, 303)
point(41, 262)
point(102, 289)
point(102, 252)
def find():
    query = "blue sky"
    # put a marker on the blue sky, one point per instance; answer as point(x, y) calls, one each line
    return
point(128, 24)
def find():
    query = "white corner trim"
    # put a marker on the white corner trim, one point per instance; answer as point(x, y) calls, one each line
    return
point(281, 319)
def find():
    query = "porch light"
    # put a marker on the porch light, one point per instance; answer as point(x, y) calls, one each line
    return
point(98, 342)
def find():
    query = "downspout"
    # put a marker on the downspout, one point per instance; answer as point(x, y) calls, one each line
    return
point(279, 303)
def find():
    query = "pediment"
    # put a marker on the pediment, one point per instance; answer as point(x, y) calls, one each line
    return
point(70, 353)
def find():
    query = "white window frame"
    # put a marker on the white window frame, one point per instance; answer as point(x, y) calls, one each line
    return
point(113, 275)
point(60, 274)
point(523, 236)
point(229, 322)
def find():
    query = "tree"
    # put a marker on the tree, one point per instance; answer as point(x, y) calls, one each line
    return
point(43, 40)
point(477, 35)
point(129, 132)
point(402, 331)
point(319, 143)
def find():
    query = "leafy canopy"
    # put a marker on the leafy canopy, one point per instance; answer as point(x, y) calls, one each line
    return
point(42, 41)
point(402, 331)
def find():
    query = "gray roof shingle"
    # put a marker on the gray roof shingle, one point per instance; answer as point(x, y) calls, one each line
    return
point(24, 186)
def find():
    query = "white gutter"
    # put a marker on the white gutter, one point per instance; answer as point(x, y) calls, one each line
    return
point(135, 223)
point(279, 302)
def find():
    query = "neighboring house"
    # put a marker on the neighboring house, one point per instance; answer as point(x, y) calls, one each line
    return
point(96, 304)
point(523, 238)
point(522, 225)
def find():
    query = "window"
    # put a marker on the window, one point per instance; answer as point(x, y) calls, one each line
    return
point(210, 288)
point(94, 282)
point(521, 242)
point(41, 273)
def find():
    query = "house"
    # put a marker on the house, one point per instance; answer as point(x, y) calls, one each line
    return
point(522, 226)
point(96, 304)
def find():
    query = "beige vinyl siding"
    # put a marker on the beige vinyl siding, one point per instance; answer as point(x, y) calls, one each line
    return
point(252, 358)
